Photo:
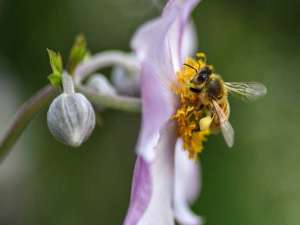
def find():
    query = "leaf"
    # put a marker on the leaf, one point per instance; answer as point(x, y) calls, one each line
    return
point(78, 53)
point(55, 79)
point(55, 61)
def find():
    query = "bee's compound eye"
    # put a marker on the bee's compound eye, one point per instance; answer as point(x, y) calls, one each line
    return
point(203, 75)
point(201, 78)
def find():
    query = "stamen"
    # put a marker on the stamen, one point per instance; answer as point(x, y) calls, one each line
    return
point(190, 110)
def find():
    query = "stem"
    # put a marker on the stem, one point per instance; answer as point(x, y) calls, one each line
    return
point(104, 59)
point(98, 61)
point(22, 118)
point(124, 103)
point(67, 83)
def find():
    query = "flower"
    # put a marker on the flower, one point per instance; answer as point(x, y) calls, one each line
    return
point(165, 179)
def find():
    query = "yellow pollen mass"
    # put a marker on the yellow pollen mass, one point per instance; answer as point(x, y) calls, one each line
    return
point(190, 110)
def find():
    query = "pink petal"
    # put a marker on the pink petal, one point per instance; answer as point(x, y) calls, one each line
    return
point(158, 46)
point(156, 113)
point(159, 41)
point(141, 191)
point(151, 201)
point(187, 186)
point(189, 43)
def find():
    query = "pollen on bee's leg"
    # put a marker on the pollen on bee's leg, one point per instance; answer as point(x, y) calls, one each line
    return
point(205, 123)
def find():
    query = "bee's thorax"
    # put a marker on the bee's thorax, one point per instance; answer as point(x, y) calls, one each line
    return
point(215, 87)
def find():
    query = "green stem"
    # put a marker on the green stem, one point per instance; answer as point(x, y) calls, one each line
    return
point(124, 103)
point(104, 59)
point(22, 118)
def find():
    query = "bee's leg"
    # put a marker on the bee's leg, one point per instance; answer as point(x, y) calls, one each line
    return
point(195, 90)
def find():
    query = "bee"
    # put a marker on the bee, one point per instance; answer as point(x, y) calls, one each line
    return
point(213, 94)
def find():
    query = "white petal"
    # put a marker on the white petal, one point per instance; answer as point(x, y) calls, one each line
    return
point(158, 47)
point(156, 112)
point(160, 41)
point(151, 201)
point(140, 193)
point(187, 187)
point(189, 43)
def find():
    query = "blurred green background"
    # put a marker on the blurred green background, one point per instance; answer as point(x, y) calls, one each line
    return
point(257, 182)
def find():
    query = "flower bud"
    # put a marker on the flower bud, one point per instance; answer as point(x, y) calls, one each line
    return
point(127, 81)
point(71, 117)
point(100, 84)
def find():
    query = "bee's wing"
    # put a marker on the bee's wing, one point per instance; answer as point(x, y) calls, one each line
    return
point(248, 90)
point(226, 128)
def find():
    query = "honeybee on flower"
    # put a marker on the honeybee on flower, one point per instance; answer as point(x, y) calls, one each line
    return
point(204, 106)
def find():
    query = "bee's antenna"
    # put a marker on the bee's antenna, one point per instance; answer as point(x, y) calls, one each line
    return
point(191, 67)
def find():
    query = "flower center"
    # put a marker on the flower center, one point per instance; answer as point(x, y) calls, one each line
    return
point(193, 115)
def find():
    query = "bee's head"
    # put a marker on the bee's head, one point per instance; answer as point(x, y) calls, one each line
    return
point(200, 79)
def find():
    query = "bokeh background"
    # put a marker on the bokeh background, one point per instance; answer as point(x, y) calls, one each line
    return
point(257, 182)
